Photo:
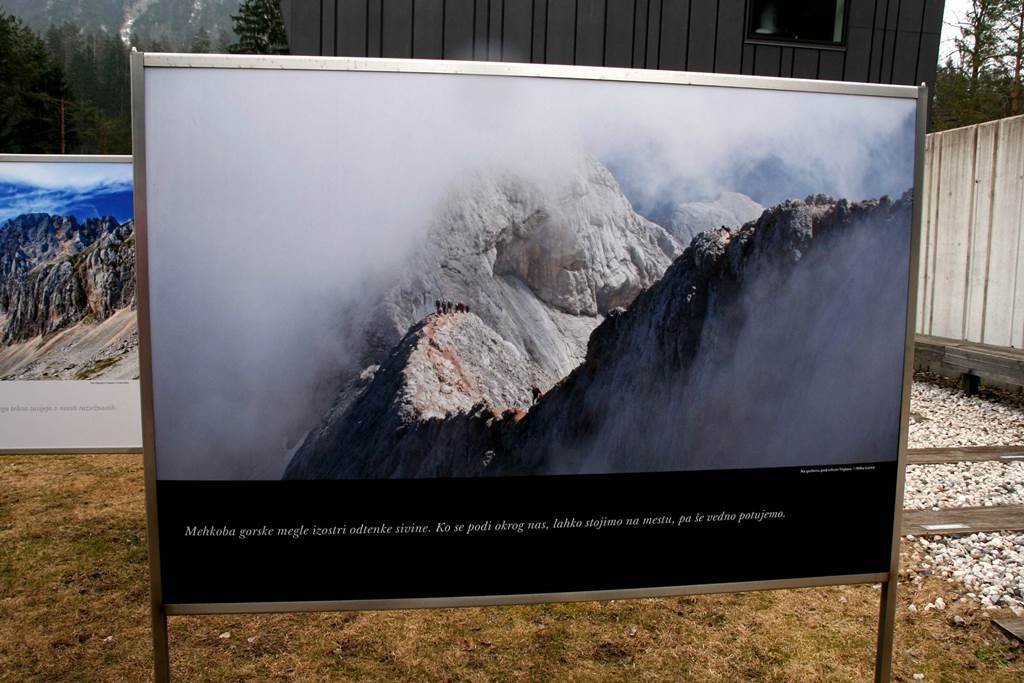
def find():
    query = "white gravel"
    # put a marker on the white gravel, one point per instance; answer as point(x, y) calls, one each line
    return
point(990, 567)
point(964, 484)
point(941, 416)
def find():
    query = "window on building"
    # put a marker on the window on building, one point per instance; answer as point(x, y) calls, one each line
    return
point(800, 21)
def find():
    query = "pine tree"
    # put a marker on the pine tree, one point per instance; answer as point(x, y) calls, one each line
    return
point(201, 42)
point(34, 94)
point(260, 28)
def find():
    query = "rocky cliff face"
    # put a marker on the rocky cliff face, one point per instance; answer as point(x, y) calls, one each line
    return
point(777, 343)
point(55, 271)
point(687, 220)
point(540, 265)
point(449, 382)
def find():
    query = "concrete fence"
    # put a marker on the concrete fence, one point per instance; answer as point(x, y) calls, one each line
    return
point(971, 284)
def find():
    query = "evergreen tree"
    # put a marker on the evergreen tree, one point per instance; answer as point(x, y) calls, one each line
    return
point(201, 42)
point(260, 28)
point(34, 97)
point(982, 83)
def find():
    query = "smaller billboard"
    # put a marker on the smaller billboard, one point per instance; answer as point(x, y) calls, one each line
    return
point(69, 363)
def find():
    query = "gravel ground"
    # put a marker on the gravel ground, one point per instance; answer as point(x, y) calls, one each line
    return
point(964, 484)
point(941, 416)
point(989, 567)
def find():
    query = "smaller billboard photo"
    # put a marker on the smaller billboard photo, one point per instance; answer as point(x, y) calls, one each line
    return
point(68, 336)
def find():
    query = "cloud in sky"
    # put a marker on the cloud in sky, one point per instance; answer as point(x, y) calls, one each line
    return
point(80, 189)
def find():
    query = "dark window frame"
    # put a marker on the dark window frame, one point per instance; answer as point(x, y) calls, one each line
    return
point(752, 38)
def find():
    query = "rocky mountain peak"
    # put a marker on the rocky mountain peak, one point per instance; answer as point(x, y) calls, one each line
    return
point(695, 373)
point(56, 271)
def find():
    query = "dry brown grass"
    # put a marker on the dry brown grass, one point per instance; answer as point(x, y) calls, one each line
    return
point(74, 602)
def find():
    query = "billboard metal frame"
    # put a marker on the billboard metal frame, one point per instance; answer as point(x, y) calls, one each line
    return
point(160, 610)
point(73, 159)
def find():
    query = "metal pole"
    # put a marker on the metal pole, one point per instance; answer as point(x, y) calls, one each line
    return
point(886, 631)
point(161, 650)
point(887, 606)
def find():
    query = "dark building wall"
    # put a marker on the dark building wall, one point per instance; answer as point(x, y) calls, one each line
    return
point(887, 41)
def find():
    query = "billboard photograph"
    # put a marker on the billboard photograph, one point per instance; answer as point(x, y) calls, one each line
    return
point(69, 364)
point(557, 319)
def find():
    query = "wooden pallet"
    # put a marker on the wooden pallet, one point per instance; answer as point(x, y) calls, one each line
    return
point(970, 362)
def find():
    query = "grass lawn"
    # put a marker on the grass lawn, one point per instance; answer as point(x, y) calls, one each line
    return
point(74, 595)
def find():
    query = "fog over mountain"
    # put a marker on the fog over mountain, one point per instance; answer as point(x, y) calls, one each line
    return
point(699, 372)
point(275, 297)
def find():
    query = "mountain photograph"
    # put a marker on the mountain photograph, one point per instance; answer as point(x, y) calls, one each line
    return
point(67, 272)
point(598, 289)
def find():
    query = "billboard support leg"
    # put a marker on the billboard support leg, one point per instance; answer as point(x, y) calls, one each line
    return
point(161, 652)
point(886, 629)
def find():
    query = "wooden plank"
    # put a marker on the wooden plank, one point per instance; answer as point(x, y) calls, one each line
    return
point(396, 31)
point(888, 46)
point(938, 456)
point(1004, 306)
point(927, 60)
point(481, 28)
point(589, 33)
point(748, 59)
point(732, 22)
point(1011, 626)
point(700, 48)
point(517, 31)
point(561, 32)
point(959, 521)
point(956, 173)
point(766, 60)
point(805, 63)
point(640, 34)
point(862, 13)
point(953, 358)
point(673, 35)
point(495, 14)
point(619, 33)
point(922, 266)
point(540, 31)
point(831, 64)
point(858, 53)
point(458, 29)
point(934, 212)
point(304, 38)
point(374, 27)
point(878, 39)
point(653, 33)
point(980, 231)
point(351, 29)
point(904, 58)
point(995, 366)
point(328, 26)
point(428, 29)
point(786, 62)
point(932, 21)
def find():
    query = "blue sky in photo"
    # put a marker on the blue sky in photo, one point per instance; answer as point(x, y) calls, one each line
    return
point(80, 189)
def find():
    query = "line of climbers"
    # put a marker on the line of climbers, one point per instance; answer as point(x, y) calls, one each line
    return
point(446, 306)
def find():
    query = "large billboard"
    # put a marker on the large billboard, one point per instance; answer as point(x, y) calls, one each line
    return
point(69, 364)
point(437, 333)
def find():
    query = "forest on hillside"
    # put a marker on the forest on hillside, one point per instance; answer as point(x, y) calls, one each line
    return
point(66, 89)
